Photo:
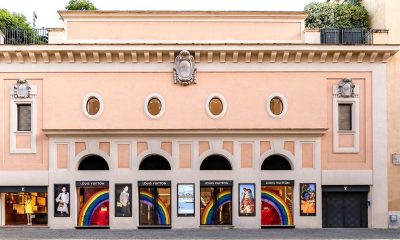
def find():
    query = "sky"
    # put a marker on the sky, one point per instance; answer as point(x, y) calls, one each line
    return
point(46, 10)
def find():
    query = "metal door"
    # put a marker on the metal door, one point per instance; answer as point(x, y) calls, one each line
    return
point(344, 210)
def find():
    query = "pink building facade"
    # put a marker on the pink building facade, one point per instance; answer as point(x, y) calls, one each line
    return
point(193, 119)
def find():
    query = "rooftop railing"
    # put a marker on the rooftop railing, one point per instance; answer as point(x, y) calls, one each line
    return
point(26, 36)
point(349, 36)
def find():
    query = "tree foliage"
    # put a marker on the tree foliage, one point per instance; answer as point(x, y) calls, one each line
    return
point(332, 15)
point(17, 29)
point(80, 5)
point(9, 21)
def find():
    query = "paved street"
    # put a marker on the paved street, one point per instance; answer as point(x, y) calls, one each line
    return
point(6, 233)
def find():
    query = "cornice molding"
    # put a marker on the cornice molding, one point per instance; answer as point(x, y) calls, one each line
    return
point(187, 132)
point(207, 53)
point(67, 15)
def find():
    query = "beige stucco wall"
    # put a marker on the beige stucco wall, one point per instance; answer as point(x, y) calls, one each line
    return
point(124, 94)
point(363, 159)
point(29, 161)
point(121, 31)
point(180, 26)
point(385, 14)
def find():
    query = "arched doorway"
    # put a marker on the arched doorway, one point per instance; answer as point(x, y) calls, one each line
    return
point(93, 162)
point(154, 162)
point(215, 162)
point(216, 196)
point(276, 162)
point(93, 196)
point(154, 196)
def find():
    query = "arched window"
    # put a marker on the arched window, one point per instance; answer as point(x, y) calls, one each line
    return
point(215, 162)
point(276, 162)
point(154, 162)
point(93, 162)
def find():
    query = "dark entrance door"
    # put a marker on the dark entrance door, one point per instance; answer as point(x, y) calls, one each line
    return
point(216, 202)
point(154, 204)
point(345, 209)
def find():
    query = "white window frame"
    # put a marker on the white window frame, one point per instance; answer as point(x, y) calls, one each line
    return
point(355, 121)
point(146, 103)
point(14, 102)
point(224, 105)
point(84, 105)
point(284, 103)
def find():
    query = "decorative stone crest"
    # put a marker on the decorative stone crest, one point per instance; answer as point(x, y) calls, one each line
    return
point(184, 69)
point(22, 89)
point(346, 88)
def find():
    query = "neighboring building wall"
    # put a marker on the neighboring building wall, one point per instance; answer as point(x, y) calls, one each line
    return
point(385, 14)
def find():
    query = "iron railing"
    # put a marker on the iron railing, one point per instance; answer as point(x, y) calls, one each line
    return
point(346, 36)
point(26, 36)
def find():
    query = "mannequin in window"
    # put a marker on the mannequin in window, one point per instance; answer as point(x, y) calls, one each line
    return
point(28, 209)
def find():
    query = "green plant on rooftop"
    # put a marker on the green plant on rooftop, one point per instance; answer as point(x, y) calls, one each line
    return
point(332, 15)
point(80, 5)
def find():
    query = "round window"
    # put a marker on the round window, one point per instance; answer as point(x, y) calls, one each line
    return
point(276, 106)
point(93, 106)
point(216, 106)
point(154, 106)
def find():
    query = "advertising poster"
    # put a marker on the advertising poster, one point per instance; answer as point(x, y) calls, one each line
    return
point(186, 199)
point(246, 199)
point(123, 200)
point(61, 201)
point(308, 199)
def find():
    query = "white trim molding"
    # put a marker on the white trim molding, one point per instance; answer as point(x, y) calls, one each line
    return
point(284, 104)
point(146, 103)
point(14, 102)
point(224, 105)
point(84, 104)
point(355, 121)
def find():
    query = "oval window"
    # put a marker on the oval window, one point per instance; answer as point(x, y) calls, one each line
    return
point(276, 106)
point(154, 106)
point(93, 106)
point(216, 106)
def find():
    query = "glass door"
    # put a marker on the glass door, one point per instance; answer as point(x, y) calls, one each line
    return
point(216, 205)
point(154, 206)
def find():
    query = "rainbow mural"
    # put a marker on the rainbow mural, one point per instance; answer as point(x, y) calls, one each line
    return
point(164, 217)
point(279, 205)
point(91, 206)
point(223, 198)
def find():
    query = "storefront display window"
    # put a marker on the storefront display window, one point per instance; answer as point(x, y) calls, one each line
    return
point(93, 203)
point(216, 202)
point(277, 203)
point(26, 208)
point(155, 203)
